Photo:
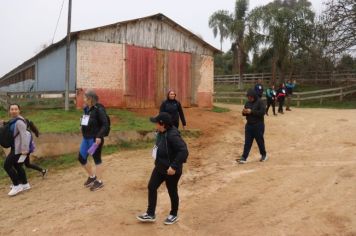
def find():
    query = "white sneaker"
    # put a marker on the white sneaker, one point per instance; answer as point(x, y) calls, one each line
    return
point(26, 187)
point(11, 186)
point(15, 190)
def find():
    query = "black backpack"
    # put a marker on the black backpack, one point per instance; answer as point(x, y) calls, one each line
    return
point(7, 137)
point(101, 106)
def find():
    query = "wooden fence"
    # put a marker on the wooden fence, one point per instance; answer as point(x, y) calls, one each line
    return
point(36, 100)
point(320, 95)
point(309, 77)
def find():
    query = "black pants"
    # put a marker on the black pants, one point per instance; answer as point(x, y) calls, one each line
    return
point(32, 166)
point(14, 169)
point(281, 104)
point(156, 180)
point(255, 131)
point(176, 123)
point(269, 103)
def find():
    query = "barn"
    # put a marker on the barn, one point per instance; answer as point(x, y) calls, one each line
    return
point(130, 64)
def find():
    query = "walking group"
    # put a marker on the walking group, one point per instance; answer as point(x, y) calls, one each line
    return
point(169, 153)
point(255, 110)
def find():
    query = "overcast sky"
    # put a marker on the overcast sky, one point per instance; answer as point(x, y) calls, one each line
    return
point(27, 24)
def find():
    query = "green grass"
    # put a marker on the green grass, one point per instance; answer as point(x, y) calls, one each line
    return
point(220, 109)
point(59, 121)
point(69, 160)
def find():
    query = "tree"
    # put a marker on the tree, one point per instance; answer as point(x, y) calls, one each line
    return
point(284, 28)
point(340, 22)
point(219, 22)
point(235, 23)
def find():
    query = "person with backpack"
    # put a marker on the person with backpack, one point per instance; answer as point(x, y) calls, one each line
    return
point(289, 92)
point(95, 125)
point(271, 99)
point(281, 95)
point(254, 111)
point(259, 88)
point(174, 108)
point(14, 134)
point(170, 153)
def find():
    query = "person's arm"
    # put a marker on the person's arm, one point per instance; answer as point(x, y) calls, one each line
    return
point(162, 108)
point(179, 148)
point(260, 110)
point(181, 114)
point(22, 134)
point(103, 121)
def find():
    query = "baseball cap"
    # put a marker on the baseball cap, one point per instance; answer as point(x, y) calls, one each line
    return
point(162, 117)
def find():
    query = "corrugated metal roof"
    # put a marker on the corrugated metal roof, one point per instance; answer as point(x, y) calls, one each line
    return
point(74, 35)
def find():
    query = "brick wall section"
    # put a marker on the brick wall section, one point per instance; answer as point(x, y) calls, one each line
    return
point(203, 80)
point(101, 66)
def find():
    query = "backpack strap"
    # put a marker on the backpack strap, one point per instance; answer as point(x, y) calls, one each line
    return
point(12, 124)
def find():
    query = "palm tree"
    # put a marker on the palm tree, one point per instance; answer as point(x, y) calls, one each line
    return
point(235, 24)
point(219, 22)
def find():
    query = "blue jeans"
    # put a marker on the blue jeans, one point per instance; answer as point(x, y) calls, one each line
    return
point(254, 131)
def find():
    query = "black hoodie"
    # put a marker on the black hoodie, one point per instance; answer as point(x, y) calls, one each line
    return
point(174, 108)
point(258, 109)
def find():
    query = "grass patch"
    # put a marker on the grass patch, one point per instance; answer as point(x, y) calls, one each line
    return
point(59, 121)
point(220, 109)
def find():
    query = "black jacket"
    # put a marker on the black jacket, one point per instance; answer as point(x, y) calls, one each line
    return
point(257, 107)
point(98, 122)
point(174, 108)
point(259, 90)
point(172, 150)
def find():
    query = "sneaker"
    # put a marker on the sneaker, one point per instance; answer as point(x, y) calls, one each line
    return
point(171, 219)
point(146, 218)
point(288, 109)
point(89, 182)
point(243, 160)
point(25, 186)
point(44, 173)
point(96, 185)
point(11, 186)
point(15, 190)
point(264, 158)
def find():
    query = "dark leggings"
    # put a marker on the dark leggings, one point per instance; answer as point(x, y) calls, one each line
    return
point(281, 104)
point(14, 169)
point(269, 103)
point(156, 180)
point(32, 166)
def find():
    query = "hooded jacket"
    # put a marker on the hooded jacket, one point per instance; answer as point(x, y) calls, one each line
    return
point(172, 150)
point(174, 108)
point(258, 109)
point(98, 122)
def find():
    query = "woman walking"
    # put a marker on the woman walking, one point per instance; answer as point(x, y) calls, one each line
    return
point(174, 108)
point(169, 156)
point(95, 126)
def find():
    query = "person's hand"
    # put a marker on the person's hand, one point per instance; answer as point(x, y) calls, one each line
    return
point(294, 81)
point(24, 153)
point(98, 141)
point(248, 111)
point(184, 127)
point(171, 171)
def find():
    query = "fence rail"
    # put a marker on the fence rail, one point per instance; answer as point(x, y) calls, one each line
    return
point(37, 100)
point(310, 77)
point(320, 95)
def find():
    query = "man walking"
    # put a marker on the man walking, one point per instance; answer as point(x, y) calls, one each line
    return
point(289, 92)
point(254, 111)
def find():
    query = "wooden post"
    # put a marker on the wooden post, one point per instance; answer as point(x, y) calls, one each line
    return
point(66, 99)
point(341, 94)
point(298, 100)
point(321, 101)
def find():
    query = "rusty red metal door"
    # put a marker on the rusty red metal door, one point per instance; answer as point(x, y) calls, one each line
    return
point(179, 76)
point(141, 77)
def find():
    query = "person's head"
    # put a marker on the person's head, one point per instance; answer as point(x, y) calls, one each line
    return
point(171, 95)
point(251, 95)
point(259, 81)
point(289, 81)
point(163, 121)
point(272, 86)
point(90, 98)
point(14, 110)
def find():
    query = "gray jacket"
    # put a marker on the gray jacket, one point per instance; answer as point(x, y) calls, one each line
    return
point(23, 137)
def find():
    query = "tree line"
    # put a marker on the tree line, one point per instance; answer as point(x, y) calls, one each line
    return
point(286, 37)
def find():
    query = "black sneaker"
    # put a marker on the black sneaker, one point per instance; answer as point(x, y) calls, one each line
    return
point(44, 173)
point(89, 182)
point(243, 160)
point(171, 219)
point(146, 218)
point(264, 158)
point(96, 185)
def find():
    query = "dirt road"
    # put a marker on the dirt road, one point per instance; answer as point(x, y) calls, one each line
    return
point(308, 187)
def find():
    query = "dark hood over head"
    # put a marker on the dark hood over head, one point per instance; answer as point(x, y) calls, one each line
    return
point(252, 93)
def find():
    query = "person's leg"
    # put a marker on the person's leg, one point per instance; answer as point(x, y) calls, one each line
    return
point(172, 187)
point(274, 107)
point(282, 104)
point(156, 180)
point(29, 165)
point(287, 103)
point(248, 141)
point(98, 168)
point(21, 172)
point(9, 167)
point(259, 136)
point(268, 105)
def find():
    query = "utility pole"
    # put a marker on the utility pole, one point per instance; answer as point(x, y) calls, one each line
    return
point(66, 102)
